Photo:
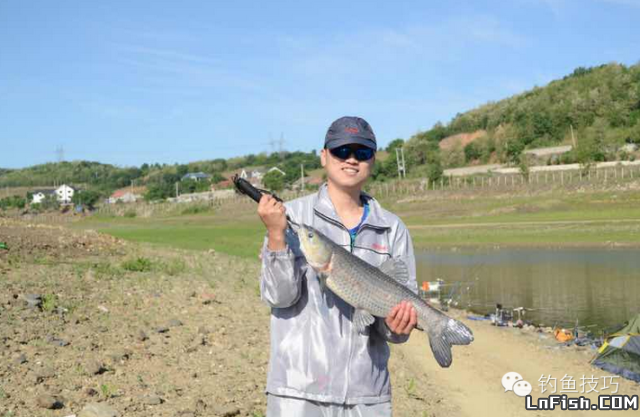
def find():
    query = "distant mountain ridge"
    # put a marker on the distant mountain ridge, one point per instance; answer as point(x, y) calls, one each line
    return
point(597, 109)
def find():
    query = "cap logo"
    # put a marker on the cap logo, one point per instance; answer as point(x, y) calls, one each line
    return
point(352, 130)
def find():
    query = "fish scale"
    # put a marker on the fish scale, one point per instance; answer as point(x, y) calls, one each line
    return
point(374, 293)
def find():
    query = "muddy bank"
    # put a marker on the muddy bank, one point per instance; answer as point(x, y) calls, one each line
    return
point(88, 322)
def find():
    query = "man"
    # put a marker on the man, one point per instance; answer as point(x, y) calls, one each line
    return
point(320, 365)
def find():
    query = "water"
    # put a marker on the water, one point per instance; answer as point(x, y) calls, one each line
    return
point(598, 287)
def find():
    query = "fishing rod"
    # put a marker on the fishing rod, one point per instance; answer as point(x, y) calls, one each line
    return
point(245, 187)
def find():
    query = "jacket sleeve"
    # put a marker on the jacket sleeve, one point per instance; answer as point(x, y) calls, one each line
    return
point(401, 247)
point(280, 278)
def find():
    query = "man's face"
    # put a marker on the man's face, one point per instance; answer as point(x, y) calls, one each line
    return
point(346, 173)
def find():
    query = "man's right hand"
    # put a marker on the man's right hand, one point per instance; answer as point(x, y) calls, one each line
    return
point(273, 215)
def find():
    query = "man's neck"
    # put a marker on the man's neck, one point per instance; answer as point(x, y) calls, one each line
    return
point(345, 201)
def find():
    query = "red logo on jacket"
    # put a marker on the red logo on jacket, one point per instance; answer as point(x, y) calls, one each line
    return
point(380, 248)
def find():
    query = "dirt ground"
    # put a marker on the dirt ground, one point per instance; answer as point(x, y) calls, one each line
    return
point(142, 331)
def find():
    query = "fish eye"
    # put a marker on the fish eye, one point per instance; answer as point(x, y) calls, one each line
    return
point(310, 235)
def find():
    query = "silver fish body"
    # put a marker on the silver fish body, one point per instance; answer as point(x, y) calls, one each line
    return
point(373, 292)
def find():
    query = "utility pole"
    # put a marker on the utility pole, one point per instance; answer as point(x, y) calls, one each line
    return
point(281, 145)
point(272, 143)
point(177, 190)
point(402, 173)
point(60, 153)
point(573, 138)
point(301, 177)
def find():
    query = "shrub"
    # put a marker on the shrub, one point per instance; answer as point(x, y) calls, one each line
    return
point(139, 264)
point(195, 209)
point(49, 302)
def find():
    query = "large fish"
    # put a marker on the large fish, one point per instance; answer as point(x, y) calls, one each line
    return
point(375, 291)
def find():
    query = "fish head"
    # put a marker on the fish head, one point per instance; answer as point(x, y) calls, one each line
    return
point(316, 247)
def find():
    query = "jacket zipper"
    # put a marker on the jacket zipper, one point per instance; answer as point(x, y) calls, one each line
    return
point(343, 227)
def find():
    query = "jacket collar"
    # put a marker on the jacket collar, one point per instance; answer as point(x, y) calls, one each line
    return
point(376, 217)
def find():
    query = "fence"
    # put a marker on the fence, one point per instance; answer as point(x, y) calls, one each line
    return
point(236, 203)
point(596, 178)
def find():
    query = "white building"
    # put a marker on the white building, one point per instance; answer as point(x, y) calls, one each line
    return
point(277, 170)
point(38, 196)
point(64, 193)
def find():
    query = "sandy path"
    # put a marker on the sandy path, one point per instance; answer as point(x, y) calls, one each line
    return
point(473, 383)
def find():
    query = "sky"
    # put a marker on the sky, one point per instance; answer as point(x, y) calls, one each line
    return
point(129, 82)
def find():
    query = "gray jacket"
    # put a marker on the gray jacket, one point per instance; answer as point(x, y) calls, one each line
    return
point(316, 353)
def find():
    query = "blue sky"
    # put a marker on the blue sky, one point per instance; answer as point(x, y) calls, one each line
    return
point(128, 82)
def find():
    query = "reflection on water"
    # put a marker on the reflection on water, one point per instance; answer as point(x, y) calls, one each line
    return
point(595, 286)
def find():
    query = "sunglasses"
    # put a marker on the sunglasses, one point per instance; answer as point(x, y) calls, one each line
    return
point(360, 153)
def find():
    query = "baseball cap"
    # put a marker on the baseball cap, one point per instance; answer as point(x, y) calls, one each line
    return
point(349, 129)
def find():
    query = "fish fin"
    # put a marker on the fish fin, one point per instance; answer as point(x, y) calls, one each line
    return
point(362, 319)
point(397, 269)
point(322, 278)
point(441, 340)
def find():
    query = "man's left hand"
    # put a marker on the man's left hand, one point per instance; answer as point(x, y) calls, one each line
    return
point(402, 319)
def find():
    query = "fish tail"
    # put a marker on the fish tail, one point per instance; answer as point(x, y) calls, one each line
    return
point(446, 334)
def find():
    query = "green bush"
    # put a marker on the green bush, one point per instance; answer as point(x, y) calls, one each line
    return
point(87, 198)
point(49, 302)
point(13, 202)
point(174, 267)
point(273, 181)
point(139, 264)
point(196, 208)
point(472, 152)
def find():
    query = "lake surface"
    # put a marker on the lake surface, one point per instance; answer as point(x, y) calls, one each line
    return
point(598, 287)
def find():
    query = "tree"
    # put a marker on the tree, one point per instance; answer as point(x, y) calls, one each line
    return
point(158, 191)
point(217, 177)
point(273, 180)
point(396, 143)
point(86, 198)
point(513, 150)
point(13, 201)
point(50, 202)
point(472, 152)
point(434, 166)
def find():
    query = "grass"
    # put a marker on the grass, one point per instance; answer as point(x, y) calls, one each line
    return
point(49, 302)
point(196, 209)
point(552, 218)
point(235, 235)
point(548, 219)
point(140, 264)
point(107, 391)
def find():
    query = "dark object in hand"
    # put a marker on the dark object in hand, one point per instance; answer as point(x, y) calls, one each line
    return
point(244, 187)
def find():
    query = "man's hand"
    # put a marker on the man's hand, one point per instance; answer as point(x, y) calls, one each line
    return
point(272, 214)
point(402, 319)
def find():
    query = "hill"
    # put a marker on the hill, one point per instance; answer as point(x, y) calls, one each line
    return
point(105, 178)
point(595, 109)
point(598, 107)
